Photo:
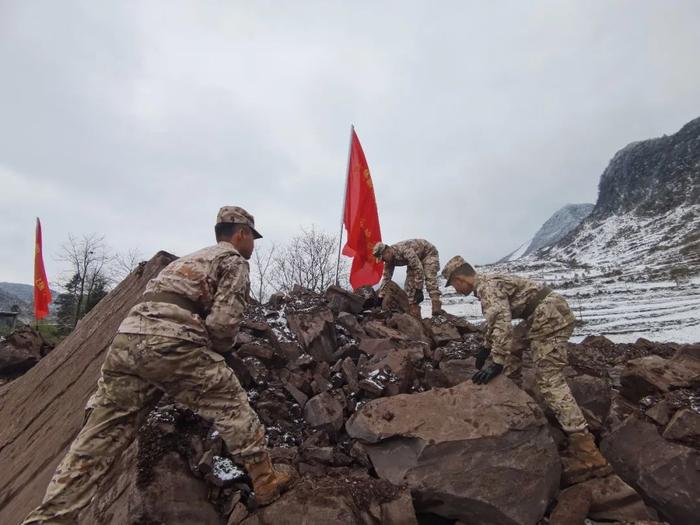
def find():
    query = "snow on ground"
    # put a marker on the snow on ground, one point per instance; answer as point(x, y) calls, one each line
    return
point(622, 310)
point(634, 243)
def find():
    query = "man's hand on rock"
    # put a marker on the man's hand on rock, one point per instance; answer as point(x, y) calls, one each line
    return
point(485, 375)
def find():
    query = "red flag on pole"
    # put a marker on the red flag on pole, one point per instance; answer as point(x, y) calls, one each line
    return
point(42, 294)
point(361, 219)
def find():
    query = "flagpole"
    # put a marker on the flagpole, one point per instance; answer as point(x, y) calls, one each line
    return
point(342, 210)
point(36, 231)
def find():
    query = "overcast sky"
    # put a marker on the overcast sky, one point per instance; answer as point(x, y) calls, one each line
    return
point(137, 120)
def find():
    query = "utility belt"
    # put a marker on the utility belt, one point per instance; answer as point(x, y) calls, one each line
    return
point(177, 300)
point(533, 303)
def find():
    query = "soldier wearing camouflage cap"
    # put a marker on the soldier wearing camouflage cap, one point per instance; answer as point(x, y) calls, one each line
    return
point(547, 325)
point(422, 261)
point(172, 342)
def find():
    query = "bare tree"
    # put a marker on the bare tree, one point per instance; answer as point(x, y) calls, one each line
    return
point(125, 263)
point(88, 275)
point(309, 260)
point(261, 264)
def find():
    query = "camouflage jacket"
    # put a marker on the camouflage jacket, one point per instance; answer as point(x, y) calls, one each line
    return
point(504, 298)
point(409, 253)
point(216, 280)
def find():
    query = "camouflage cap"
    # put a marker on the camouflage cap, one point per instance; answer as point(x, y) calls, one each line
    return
point(236, 215)
point(451, 266)
point(378, 249)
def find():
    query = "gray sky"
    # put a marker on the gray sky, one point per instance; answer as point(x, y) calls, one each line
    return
point(137, 120)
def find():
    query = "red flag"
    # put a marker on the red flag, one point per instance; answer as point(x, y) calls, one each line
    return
point(42, 294)
point(361, 220)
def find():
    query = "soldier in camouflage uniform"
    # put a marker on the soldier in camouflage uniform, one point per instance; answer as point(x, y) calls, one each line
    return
point(422, 260)
point(171, 342)
point(548, 324)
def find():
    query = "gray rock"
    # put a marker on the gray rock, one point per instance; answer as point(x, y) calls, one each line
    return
point(684, 426)
point(615, 500)
point(593, 396)
point(324, 412)
point(315, 330)
point(341, 300)
point(654, 374)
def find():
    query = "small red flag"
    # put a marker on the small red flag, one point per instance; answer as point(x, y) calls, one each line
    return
point(361, 220)
point(42, 294)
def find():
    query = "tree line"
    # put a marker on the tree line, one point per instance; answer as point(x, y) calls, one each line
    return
point(308, 260)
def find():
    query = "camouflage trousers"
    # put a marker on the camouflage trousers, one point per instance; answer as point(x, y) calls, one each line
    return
point(431, 267)
point(138, 369)
point(547, 335)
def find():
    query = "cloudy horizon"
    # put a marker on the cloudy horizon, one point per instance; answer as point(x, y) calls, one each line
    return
point(138, 120)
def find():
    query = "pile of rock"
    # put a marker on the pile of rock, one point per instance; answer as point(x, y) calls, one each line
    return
point(374, 409)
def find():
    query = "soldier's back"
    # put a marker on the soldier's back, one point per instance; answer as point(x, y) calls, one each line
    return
point(420, 247)
point(193, 277)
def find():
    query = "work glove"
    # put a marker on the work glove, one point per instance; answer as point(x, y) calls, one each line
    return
point(418, 296)
point(487, 374)
point(481, 358)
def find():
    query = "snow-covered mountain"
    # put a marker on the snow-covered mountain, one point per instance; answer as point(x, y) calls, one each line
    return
point(647, 217)
point(631, 268)
point(553, 230)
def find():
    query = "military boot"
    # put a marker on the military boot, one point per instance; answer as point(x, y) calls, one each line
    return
point(268, 482)
point(583, 460)
point(437, 307)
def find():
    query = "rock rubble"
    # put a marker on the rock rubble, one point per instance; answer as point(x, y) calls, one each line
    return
point(375, 411)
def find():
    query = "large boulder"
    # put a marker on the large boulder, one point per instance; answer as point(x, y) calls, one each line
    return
point(462, 450)
point(666, 474)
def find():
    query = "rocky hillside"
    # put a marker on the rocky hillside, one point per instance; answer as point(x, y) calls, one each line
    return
point(376, 411)
point(647, 217)
point(632, 267)
point(650, 178)
point(553, 230)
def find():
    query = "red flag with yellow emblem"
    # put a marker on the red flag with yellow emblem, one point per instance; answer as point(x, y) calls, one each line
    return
point(42, 294)
point(361, 220)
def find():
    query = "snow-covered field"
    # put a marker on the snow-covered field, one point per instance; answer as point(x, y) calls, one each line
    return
point(622, 310)
point(614, 274)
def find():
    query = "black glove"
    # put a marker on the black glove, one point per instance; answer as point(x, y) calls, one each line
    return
point(418, 296)
point(487, 374)
point(481, 358)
